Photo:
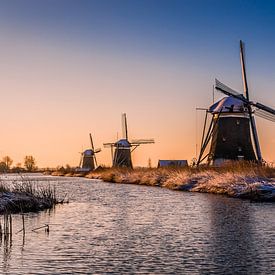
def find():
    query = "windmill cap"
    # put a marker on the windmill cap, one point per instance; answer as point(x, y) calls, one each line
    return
point(123, 143)
point(88, 152)
point(228, 104)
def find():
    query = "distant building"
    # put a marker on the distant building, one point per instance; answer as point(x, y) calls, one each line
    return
point(172, 163)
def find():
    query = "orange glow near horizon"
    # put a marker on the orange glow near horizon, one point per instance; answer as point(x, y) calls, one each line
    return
point(53, 98)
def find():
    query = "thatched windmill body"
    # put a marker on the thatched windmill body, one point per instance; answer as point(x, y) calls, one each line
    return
point(88, 160)
point(232, 133)
point(122, 149)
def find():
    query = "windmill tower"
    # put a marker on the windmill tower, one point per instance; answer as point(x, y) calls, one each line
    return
point(232, 133)
point(88, 160)
point(122, 149)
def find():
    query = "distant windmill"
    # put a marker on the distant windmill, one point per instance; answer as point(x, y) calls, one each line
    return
point(88, 160)
point(122, 149)
point(232, 132)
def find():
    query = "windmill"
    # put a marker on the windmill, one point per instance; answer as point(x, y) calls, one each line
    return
point(88, 160)
point(122, 149)
point(232, 132)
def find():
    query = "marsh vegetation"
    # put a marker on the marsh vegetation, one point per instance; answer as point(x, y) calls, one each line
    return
point(26, 196)
point(235, 179)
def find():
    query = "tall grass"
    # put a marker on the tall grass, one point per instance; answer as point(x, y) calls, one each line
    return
point(25, 195)
point(237, 179)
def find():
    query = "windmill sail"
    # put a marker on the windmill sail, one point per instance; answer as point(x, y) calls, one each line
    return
point(264, 108)
point(142, 141)
point(227, 91)
point(265, 115)
point(93, 148)
point(252, 120)
point(124, 126)
point(91, 140)
point(261, 108)
point(245, 86)
point(123, 148)
point(97, 150)
point(108, 144)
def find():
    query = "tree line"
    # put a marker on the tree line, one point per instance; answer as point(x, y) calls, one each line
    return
point(29, 165)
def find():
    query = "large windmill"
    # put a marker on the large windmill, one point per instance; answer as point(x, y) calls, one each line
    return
point(232, 133)
point(88, 160)
point(122, 149)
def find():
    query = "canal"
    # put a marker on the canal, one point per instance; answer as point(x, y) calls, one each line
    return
point(122, 228)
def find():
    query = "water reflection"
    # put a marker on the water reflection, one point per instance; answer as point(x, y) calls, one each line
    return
point(137, 229)
point(232, 245)
point(6, 247)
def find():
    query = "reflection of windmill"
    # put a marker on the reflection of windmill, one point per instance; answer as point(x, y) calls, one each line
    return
point(123, 147)
point(232, 130)
point(88, 160)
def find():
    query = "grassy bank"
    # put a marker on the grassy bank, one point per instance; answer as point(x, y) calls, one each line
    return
point(26, 196)
point(241, 180)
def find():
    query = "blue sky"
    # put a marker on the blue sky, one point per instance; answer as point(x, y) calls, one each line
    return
point(158, 22)
point(147, 58)
point(205, 32)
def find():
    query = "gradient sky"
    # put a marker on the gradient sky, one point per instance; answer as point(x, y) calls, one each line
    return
point(68, 68)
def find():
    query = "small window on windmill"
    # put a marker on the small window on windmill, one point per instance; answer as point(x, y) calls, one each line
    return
point(238, 122)
point(223, 139)
point(239, 149)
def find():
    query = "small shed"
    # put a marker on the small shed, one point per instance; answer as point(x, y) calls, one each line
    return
point(172, 163)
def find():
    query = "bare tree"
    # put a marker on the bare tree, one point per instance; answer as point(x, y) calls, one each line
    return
point(8, 162)
point(3, 168)
point(29, 163)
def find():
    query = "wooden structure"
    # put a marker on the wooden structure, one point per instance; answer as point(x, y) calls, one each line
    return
point(122, 149)
point(88, 160)
point(232, 133)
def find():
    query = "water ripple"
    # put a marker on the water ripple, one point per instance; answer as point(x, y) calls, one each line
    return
point(127, 229)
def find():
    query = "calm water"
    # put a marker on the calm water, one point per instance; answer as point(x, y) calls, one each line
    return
point(112, 228)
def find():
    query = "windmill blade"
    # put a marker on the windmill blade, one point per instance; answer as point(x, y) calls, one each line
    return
point(265, 115)
point(264, 108)
point(92, 143)
point(81, 158)
point(95, 160)
point(142, 141)
point(107, 145)
point(97, 150)
point(124, 126)
point(80, 162)
point(251, 118)
point(228, 91)
point(93, 148)
point(245, 86)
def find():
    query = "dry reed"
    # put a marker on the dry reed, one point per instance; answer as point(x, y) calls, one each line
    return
point(235, 179)
point(26, 196)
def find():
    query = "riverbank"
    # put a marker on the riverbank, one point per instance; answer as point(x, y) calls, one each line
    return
point(239, 180)
point(25, 196)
